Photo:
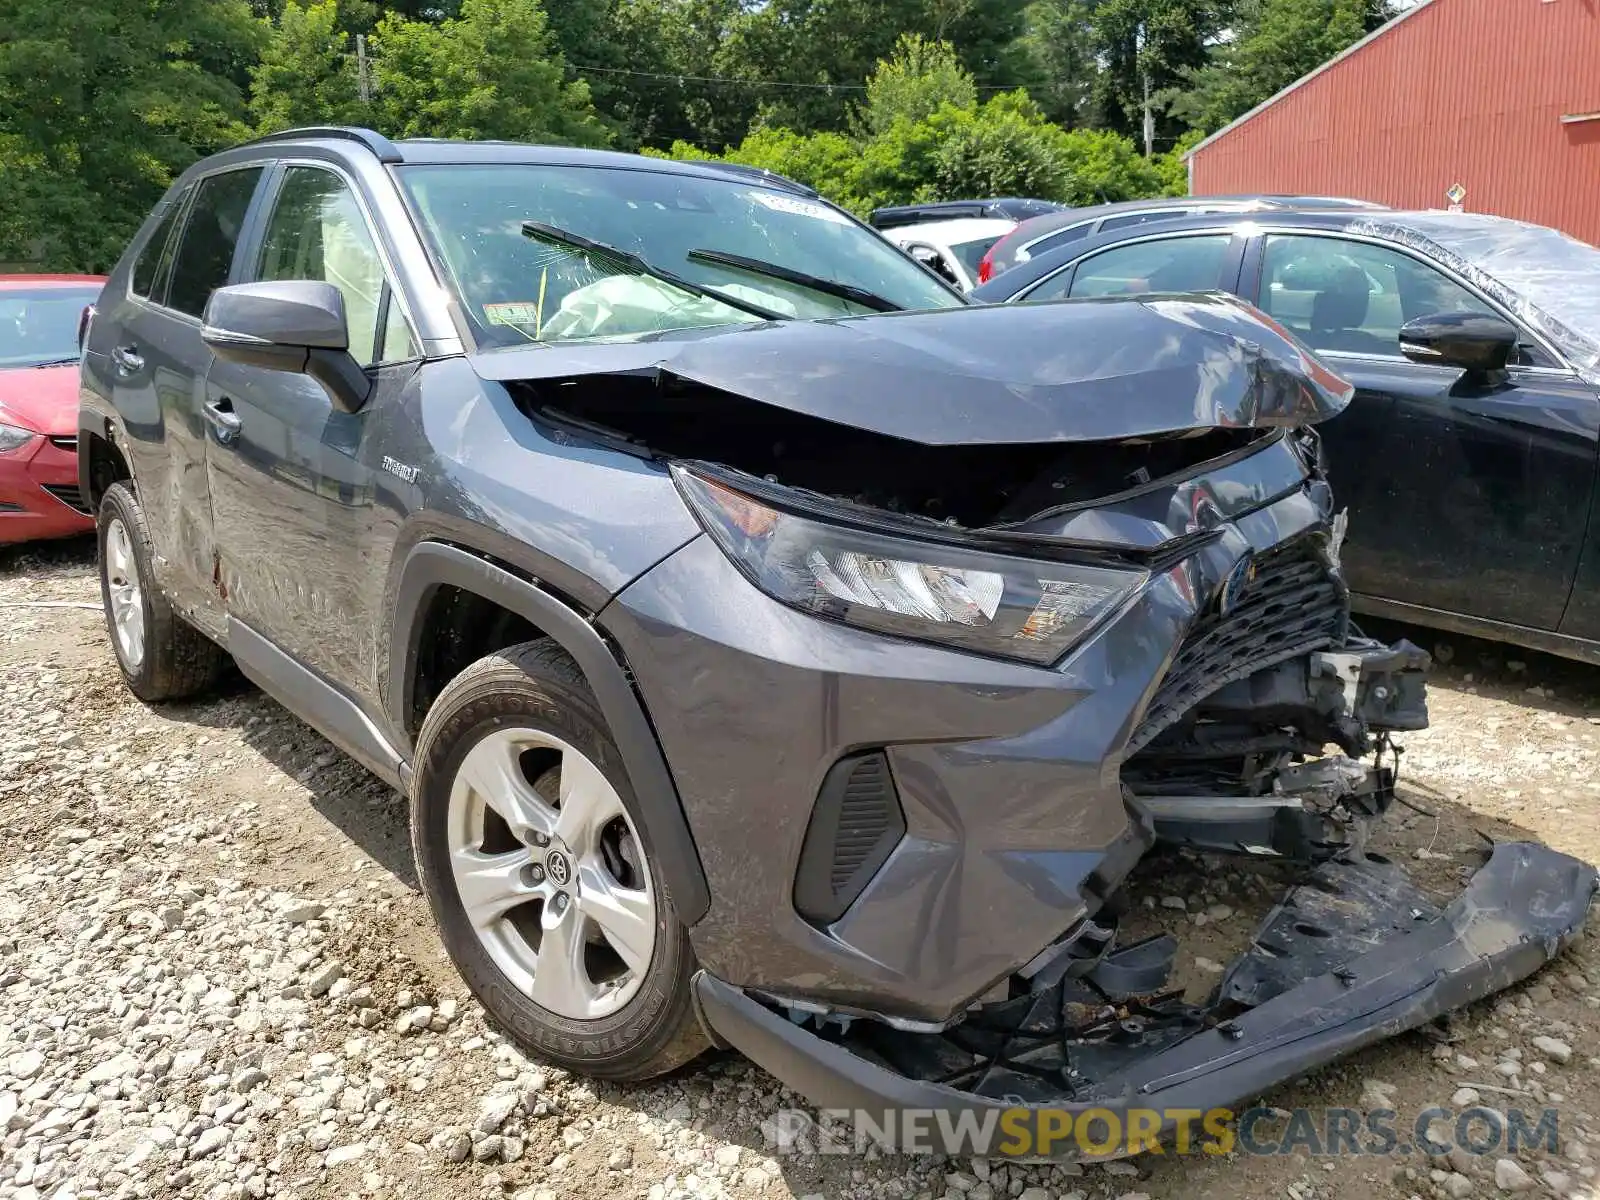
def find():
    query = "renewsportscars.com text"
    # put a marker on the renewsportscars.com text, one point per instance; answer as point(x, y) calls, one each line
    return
point(1104, 1133)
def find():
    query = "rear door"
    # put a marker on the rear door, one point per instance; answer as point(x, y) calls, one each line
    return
point(157, 364)
point(1466, 498)
point(294, 479)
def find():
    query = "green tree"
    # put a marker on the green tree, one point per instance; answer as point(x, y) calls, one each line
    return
point(355, 16)
point(1154, 45)
point(919, 79)
point(1057, 48)
point(492, 72)
point(307, 71)
point(827, 161)
point(1003, 148)
point(591, 38)
point(666, 49)
point(1103, 167)
point(709, 71)
point(924, 136)
point(1275, 42)
point(986, 34)
point(826, 48)
point(101, 104)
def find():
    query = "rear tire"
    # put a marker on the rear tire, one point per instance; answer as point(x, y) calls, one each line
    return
point(161, 656)
point(520, 802)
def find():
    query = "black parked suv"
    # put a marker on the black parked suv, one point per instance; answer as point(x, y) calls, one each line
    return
point(775, 649)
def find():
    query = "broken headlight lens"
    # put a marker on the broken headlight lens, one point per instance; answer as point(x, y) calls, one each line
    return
point(991, 604)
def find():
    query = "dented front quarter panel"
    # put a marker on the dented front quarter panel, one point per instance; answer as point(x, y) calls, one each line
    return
point(1009, 772)
point(1074, 371)
point(583, 519)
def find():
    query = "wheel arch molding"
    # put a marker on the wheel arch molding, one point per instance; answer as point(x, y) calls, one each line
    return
point(430, 566)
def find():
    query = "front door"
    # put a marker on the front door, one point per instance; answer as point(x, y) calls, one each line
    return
point(293, 479)
point(157, 363)
point(1465, 497)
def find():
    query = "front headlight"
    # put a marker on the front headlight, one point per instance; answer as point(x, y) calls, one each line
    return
point(991, 604)
point(12, 437)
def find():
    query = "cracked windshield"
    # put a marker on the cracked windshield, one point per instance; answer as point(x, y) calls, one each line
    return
point(518, 286)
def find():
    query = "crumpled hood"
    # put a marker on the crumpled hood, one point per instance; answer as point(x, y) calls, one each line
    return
point(43, 399)
point(1078, 370)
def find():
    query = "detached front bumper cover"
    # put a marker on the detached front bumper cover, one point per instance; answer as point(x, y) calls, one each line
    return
point(1371, 959)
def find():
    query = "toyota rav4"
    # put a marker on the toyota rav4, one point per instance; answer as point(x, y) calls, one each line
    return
point(775, 649)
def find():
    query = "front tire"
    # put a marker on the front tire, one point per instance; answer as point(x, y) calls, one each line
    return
point(546, 897)
point(161, 656)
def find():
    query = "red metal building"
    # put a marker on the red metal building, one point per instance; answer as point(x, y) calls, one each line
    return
point(1500, 97)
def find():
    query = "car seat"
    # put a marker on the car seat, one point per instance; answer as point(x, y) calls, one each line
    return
point(1340, 309)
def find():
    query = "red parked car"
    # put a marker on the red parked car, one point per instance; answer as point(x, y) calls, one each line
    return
point(39, 318)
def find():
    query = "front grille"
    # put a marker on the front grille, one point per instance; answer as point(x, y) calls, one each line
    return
point(66, 442)
point(1294, 605)
point(68, 494)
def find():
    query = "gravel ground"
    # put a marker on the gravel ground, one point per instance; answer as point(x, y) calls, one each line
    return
point(217, 977)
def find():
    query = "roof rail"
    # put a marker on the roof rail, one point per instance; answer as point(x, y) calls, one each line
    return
point(760, 174)
point(1010, 208)
point(386, 150)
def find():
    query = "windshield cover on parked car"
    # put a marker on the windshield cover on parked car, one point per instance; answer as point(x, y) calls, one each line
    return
point(516, 289)
point(39, 326)
point(1546, 278)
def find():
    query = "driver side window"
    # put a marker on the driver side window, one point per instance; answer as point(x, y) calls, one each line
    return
point(317, 231)
point(1353, 296)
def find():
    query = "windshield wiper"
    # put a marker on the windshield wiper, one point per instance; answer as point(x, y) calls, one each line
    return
point(55, 362)
point(576, 241)
point(828, 287)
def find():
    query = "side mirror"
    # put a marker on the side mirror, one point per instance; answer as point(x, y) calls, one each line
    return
point(1475, 342)
point(934, 261)
point(293, 325)
point(84, 320)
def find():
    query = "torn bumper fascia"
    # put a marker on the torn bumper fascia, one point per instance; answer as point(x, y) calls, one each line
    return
point(1516, 914)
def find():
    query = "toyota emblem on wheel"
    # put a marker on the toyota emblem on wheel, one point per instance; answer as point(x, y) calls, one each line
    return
point(560, 871)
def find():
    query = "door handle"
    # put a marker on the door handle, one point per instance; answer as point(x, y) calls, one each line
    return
point(128, 360)
point(223, 420)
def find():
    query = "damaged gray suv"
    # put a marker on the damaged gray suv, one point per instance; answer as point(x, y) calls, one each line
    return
point(776, 650)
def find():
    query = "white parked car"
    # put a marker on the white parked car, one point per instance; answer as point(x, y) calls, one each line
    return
point(952, 248)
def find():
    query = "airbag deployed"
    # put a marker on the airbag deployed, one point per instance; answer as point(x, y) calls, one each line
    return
point(629, 305)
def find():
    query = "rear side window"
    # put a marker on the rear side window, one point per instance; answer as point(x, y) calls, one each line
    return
point(1075, 233)
point(1144, 218)
point(205, 250)
point(1184, 264)
point(145, 273)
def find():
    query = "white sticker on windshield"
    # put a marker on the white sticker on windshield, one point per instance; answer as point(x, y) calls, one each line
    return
point(511, 313)
point(799, 207)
